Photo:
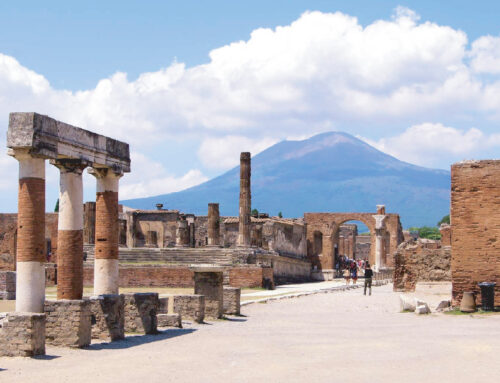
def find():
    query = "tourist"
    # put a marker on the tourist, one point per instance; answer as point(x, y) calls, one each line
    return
point(354, 272)
point(347, 276)
point(368, 277)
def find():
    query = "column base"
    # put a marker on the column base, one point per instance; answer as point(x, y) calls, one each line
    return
point(108, 317)
point(68, 323)
point(140, 312)
point(169, 320)
point(190, 307)
point(232, 297)
point(22, 334)
point(209, 284)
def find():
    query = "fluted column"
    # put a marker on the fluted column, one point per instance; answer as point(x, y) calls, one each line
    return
point(30, 294)
point(245, 200)
point(106, 269)
point(70, 230)
point(213, 224)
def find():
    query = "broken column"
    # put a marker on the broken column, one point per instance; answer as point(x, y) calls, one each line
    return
point(208, 282)
point(213, 224)
point(379, 236)
point(70, 230)
point(107, 231)
point(182, 233)
point(30, 233)
point(245, 200)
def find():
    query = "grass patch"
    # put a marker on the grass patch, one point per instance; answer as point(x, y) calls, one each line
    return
point(457, 311)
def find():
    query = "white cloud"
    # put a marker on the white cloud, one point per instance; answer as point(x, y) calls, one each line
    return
point(485, 54)
point(224, 152)
point(426, 144)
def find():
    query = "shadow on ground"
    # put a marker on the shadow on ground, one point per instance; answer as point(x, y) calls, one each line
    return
point(137, 340)
point(45, 357)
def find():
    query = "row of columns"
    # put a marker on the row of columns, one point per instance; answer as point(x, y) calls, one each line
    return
point(31, 231)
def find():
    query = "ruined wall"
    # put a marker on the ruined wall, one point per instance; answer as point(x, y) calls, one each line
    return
point(475, 222)
point(363, 245)
point(445, 231)
point(347, 240)
point(420, 260)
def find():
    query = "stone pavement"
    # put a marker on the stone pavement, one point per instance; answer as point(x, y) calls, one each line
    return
point(337, 337)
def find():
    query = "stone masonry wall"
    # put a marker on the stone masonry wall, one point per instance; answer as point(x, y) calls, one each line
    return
point(7, 285)
point(140, 312)
point(232, 296)
point(475, 222)
point(420, 260)
point(22, 334)
point(190, 307)
point(108, 316)
point(209, 284)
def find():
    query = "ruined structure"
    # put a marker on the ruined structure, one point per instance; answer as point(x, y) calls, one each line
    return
point(323, 238)
point(475, 223)
point(213, 225)
point(245, 200)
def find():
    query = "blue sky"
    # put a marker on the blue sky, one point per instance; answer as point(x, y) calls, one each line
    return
point(190, 84)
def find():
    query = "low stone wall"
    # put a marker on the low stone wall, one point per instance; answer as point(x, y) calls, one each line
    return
point(287, 270)
point(419, 261)
point(22, 334)
point(251, 276)
point(169, 320)
point(68, 323)
point(163, 305)
point(108, 317)
point(140, 312)
point(8, 285)
point(232, 296)
point(190, 307)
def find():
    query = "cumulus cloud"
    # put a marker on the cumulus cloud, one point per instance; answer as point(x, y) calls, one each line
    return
point(425, 144)
point(485, 54)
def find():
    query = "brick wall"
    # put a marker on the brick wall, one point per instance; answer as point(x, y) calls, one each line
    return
point(420, 260)
point(475, 222)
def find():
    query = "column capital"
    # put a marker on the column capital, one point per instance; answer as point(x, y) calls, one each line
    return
point(105, 172)
point(70, 165)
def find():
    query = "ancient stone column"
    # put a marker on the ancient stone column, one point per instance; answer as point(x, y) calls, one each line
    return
point(89, 223)
point(213, 224)
point(182, 234)
point(379, 238)
point(245, 200)
point(70, 230)
point(30, 234)
point(107, 231)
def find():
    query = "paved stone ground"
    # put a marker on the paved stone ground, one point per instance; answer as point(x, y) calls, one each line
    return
point(334, 337)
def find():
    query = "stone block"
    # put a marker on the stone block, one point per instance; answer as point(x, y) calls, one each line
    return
point(8, 285)
point(22, 334)
point(209, 284)
point(191, 307)
point(443, 305)
point(169, 320)
point(163, 307)
point(68, 323)
point(108, 317)
point(406, 304)
point(232, 296)
point(422, 309)
point(141, 311)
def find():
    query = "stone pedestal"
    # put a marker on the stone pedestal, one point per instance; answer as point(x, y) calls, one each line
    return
point(232, 296)
point(208, 282)
point(22, 334)
point(163, 305)
point(68, 323)
point(108, 317)
point(182, 234)
point(7, 285)
point(169, 320)
point(140, 312)
point(191, 307)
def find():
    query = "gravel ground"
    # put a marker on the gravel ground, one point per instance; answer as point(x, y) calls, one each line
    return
point(334, 337)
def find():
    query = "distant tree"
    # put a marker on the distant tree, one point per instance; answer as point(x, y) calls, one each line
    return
point(280, 214)
point(56, 208)
point(427, 232)
point(255, 213)
point(445, 219)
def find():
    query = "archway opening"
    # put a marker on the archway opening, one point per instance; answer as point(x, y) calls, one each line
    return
point(352, 242)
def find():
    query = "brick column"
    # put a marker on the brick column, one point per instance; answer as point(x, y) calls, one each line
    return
point(213, 224)
point(182, 233)
point(245, 200)
point(70, 230)
point(107, 231)
point(30, 276)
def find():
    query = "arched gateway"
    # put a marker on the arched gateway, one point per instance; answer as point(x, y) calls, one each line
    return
point(386, 234)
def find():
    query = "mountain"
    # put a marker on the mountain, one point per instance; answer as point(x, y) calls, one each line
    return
point(330, 172)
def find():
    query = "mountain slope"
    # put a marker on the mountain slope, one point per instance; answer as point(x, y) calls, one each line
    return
point(329, 172)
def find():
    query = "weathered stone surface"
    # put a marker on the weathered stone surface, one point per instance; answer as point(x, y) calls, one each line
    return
point(169, 320)
point(68, 323)
point(163, 305)
point(141, 311)
point(22, 334)
point(190, 307)
point(232, 296)
point(209, 284)
point(443, 305)
point(8, 285)
point(108, 317)
point(421, 307)
point(406, 303)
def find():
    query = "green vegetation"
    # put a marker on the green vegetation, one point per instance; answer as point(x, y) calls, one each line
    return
point(456, 311)
point(427, 232)
point(255, 213)
point(445, 219)
point(280, 214)
point(56, 208)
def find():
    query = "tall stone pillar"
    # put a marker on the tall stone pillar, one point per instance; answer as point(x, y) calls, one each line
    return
point(245, 200)
point(70, 230)
point(379, 236)
point(213, 224)
point(30, 277)
point(182, 233)
point(107, 231)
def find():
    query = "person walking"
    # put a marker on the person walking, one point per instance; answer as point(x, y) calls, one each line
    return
point(368, 277)
point(347, 275)
point(354, 272)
